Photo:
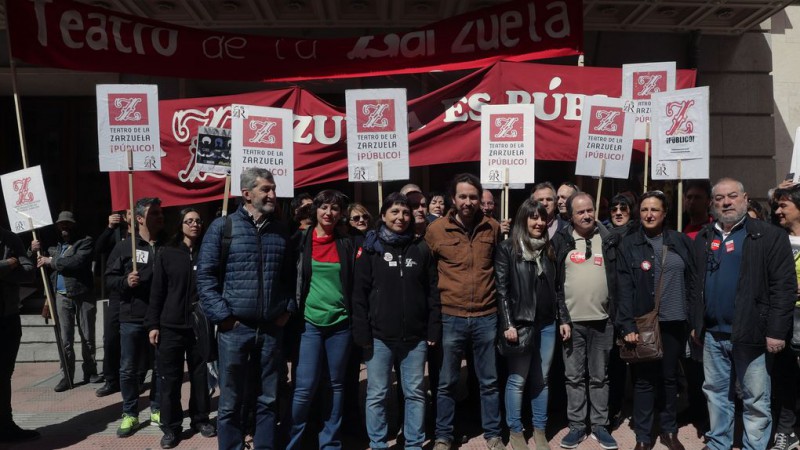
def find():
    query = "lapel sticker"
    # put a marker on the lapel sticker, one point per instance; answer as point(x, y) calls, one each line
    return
point(358, 255)
point(729, 246)
point(410, 262)
point(387, 257)
point(715, 245)
point(577, 257)
point(392, 263)
point(646, 266)
point(598, 260)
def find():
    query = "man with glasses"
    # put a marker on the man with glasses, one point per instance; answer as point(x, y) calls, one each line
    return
point(586, 285)
point(746, 274)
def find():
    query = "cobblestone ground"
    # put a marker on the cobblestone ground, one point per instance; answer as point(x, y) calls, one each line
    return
point(76, 419)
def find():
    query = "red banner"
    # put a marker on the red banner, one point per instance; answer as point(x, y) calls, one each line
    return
point(76, 36)
point(444, 126)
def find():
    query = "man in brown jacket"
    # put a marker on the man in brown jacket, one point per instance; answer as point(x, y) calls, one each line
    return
point(463, 245)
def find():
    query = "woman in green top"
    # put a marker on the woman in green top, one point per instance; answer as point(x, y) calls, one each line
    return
point(325, 269)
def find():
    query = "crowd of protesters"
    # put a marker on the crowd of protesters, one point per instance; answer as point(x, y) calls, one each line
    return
point(280, 315)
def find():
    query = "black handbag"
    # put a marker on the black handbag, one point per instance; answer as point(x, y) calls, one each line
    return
point(204, 332)
point(649, 347)
point(521, 347)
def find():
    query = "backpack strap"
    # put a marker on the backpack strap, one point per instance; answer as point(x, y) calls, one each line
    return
point(225, 248)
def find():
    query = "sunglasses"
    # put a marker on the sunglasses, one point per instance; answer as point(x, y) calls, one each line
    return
point(358, 218)
point(191, 221)
point(621, 208)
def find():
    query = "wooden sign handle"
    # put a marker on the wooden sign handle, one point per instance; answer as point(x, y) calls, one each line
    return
point(380, 184)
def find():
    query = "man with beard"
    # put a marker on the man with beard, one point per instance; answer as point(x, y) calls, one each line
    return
point(463, 243)
point(746, 273)
point(72, 282)
point(249, 296)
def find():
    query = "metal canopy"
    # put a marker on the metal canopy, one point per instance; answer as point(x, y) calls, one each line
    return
point(332, 18)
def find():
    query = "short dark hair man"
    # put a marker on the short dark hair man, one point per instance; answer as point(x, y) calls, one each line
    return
point(564, 192)
point(696, 201)
point(746, 273)
point(73, 285)
point(545, 193)
point(463, 243)
point(133, 288)
point(249, 298)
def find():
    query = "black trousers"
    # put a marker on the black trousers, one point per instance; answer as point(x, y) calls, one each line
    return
point(10, 338)
point(785, 375)
point(174, 347)
point(655, 384)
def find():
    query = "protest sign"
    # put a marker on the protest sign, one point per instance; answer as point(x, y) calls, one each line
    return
point(377, 131)
point(127, 122)
point(639, 82)
point(213, 150)
point(26, 200)
point(606, 135)
point(680, 124)
point(507, 145)
point(262, 137)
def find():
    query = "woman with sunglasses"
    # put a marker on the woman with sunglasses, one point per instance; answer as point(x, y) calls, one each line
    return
point(173, 295)
point(358, 219)
point(325, 268)
point(528, 313)
point(396, 316)
point(656, 266)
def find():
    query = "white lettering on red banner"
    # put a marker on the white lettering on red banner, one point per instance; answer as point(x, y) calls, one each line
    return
point(76, 36)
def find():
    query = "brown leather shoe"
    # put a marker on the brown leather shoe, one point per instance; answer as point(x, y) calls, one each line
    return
point(643, 446)
point(670, 440)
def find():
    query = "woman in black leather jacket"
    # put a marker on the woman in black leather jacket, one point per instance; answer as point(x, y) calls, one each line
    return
point(653, 255)
point(528, 311)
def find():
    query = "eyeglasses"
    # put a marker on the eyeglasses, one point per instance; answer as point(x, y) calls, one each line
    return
point(620, 208)
point(193, 221)
point(358, 218)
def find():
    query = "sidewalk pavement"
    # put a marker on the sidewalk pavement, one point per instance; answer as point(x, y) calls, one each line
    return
point(77, 419)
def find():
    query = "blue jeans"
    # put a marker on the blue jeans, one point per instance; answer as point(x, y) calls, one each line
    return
point(320, 348)
point(247, 353)
point(751, 368)
point(133, 344)
point(457, 333)
point(379, 370)
point(535, 364)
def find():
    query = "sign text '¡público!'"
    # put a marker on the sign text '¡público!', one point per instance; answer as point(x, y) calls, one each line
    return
point(507, 161)
point(132, 147)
